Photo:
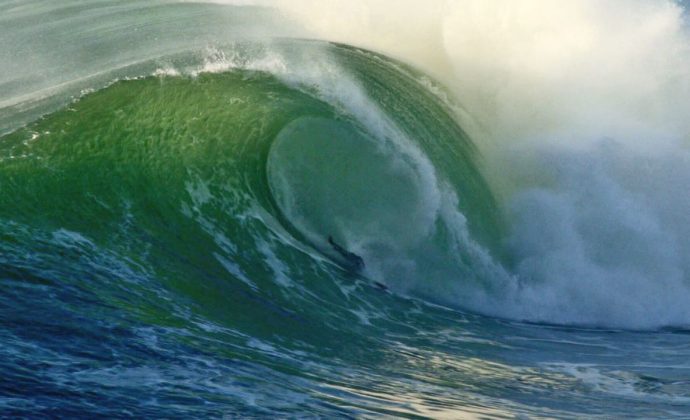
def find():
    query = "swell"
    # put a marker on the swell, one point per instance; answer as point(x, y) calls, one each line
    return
point(587, 236)
point(163, 238)
point(164, 184)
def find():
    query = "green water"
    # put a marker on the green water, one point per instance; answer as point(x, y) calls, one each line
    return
point(164, 252)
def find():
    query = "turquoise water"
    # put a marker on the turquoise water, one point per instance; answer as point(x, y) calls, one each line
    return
point(170, 174)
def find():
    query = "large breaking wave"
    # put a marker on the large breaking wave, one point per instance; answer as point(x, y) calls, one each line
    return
point(550, 188)
point(189, 190)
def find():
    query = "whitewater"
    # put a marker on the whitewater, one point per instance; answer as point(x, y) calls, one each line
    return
point(513, 174)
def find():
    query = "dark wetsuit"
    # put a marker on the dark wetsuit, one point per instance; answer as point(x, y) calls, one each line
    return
point(353, 262)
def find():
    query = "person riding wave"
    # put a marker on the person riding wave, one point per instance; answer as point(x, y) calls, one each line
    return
point(353, 261)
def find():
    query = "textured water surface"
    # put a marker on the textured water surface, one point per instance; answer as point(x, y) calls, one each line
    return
point(171, 172)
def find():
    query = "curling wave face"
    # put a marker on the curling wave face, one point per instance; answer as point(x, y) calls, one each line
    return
point(611, 254)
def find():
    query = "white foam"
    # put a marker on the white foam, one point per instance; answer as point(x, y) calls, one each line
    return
point(618, 383)
point(597, 237)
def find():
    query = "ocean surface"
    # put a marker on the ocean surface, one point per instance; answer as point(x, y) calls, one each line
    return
point(344, 209)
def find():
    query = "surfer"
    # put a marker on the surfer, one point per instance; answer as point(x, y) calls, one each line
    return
point(353, 262)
